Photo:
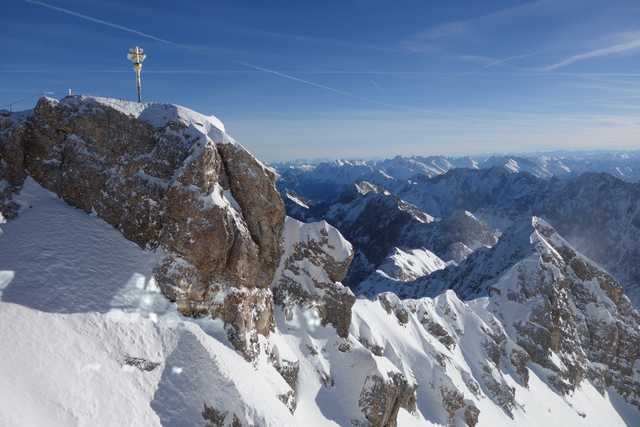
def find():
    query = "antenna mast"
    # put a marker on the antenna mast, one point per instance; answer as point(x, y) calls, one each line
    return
point(137, 56)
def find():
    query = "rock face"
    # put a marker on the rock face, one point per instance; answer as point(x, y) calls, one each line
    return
point(383, 396)
point(576, 311)
point(12, 172)
point(168, 178)
point(315, 260)
point(550, 312)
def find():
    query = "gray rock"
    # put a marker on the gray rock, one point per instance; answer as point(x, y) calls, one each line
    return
point(381, 398)
point(316, 258)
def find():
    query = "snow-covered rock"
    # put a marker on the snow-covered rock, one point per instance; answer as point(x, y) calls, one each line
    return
point(167, 177)
point(377, 223)
point(571, 317)
point(315, 259)
point(89, 339)
point(598, 213)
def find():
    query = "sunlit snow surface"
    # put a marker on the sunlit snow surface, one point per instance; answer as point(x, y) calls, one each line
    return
point(156, 114)
point(77, 300)
point(64, 261)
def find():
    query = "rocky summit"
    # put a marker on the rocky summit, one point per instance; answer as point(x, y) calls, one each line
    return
point(167, 178)
point(150, 276)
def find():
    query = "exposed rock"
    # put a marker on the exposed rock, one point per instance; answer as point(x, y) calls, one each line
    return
point(574, 319)
point(247, 313)
point(316, 258)
point(140, 363)
point(289, 400)
point(167, 178)
point(392, 304)
point(471, 414)
point(381, 398)
point(519, 360)
point(12, 174)
point(253, 187)
point(289, 370)
point(498, 390)
point(457, 408)
point(438, 331)
point(217, 418)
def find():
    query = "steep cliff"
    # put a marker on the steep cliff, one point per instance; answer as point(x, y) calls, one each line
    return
point(170, 179)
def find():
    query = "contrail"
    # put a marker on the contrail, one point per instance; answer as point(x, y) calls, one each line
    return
point(610, 50)
point(295, 79)
point(172, 43)
point(321, 86)
point(509, 59)
point(338, 91)
point(102, 22)
point(200, 50)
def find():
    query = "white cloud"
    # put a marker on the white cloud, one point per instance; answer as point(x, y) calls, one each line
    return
point(433, 38)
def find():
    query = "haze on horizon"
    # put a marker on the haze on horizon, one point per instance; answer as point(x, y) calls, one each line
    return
point(349, 79)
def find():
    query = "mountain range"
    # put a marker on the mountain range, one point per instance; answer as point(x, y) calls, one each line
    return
point(154, 272)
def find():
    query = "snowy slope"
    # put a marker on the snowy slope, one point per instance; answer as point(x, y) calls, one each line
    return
point(410, 264)
point(78, 301)
point(89, 340)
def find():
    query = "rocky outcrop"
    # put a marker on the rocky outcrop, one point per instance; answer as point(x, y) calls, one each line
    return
point(382, 396)
point(218, 418)
point(12, 173)
point(572, 318)
point(167, 178)
point(315, 259)
point(458, 410)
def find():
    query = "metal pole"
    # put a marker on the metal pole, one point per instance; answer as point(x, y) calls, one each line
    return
point(137, 56)
point(138, 81)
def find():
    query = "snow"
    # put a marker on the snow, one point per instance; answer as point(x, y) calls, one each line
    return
point(296, 200)
point(307, 272)
point(58, 260)
point(77, 300)
point(512, 166)
point(413, 351)
point(156, 114)
point(411, 264)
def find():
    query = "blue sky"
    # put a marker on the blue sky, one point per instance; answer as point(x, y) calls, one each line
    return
point(349, 78)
